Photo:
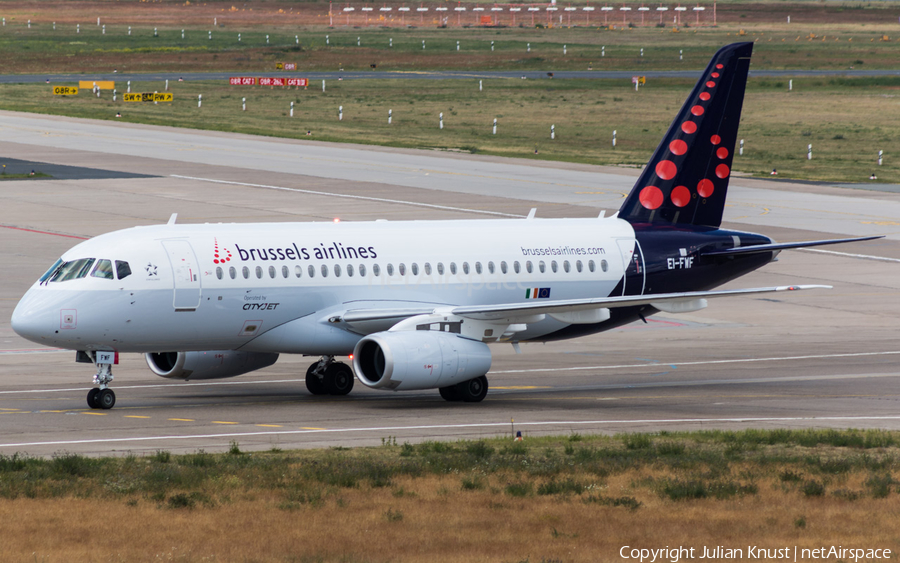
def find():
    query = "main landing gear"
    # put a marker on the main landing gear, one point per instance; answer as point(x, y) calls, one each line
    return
point(327, 377)
point(102, 397)
point(471, 391)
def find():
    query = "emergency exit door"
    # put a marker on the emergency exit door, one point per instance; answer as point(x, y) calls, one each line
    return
point(185, 271)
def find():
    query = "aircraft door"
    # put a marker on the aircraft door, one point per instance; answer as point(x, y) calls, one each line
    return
point(186, 274)
point(633, 261)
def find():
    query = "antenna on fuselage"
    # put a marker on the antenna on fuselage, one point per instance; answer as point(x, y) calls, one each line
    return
point(172, 219)
point(531, 213)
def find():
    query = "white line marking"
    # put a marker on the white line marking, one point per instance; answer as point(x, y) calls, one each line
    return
point(348, 196)
point(655, 365)
point(709, 362)
point(850, 255)
point(449, 427)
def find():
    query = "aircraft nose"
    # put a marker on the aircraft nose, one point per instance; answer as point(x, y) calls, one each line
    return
point(29, 321)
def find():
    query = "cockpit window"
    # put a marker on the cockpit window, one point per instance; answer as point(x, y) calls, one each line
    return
point(123, 270)
point(51, 271)
point(76, 269)
point(103, 269)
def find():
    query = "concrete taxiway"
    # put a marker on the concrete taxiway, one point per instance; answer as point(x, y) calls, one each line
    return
point(824, 358)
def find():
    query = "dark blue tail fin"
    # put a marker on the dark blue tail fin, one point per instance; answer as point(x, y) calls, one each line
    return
point(686, 179)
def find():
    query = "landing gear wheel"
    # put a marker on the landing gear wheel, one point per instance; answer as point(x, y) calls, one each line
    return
point(106, 399)
point(473, 390)
point(451, 393)
point(338, 379)
point(314, 383)
point(92, 398)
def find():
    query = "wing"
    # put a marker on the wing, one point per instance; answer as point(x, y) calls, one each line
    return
point(373, 320)
point(779, 246)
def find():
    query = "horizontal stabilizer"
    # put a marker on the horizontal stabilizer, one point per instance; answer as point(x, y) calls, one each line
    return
point(777, 246)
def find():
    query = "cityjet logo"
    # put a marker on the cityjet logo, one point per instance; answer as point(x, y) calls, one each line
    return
point(334, 251)
point(220, 256)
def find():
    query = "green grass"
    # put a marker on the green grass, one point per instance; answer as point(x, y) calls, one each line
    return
point(846, 120)
point(804, 461)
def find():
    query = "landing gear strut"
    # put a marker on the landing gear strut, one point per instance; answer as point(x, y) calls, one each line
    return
point(102, 397)
point(327, 377)
point(471, 391)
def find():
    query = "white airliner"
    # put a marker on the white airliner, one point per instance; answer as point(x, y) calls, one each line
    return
point(415, 303)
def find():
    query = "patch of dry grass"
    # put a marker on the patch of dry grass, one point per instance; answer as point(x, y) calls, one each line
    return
point(575, 498)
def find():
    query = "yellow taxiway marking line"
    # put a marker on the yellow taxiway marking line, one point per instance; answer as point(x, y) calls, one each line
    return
point(310, 428)
point(9, 409)
point(51, 411)
point(135, 416)
point(270, 425)
point(182, 419)
point(223, 422)
point(95, 413)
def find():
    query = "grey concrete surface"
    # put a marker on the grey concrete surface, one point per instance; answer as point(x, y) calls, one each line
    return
point(810, 359)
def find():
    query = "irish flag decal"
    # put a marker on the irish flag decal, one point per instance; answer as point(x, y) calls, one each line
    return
point(537, 293)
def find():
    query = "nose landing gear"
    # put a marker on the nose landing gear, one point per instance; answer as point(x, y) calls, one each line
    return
point(102, 397)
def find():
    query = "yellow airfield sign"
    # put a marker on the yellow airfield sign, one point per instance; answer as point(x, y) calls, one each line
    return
point(102, 84)
point(65, 91)
point(148, 97)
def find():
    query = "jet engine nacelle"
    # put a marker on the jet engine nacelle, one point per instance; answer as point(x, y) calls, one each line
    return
point(214, 364)
point(418, 359)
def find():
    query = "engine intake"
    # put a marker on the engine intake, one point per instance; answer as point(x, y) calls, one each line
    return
point(214, 364)
point(419, 359)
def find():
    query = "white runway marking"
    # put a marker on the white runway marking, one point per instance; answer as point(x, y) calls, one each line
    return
point(656, 365)
point(704, 363)
point(449, 427)
point(863, 256)
point(347, 196)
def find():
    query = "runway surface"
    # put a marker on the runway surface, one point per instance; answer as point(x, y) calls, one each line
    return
point(810, 359)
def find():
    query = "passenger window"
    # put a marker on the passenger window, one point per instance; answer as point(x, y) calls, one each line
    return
point(528, 267)
point(259, 272)
point(298, 271)
point(503, 267)
point(337, 271)
point(414, 268)
point(123, 270)
point(376, 270)
point(542, 267)
point(311, 270)
point(272, 272)
point(578, 265)
point(246, 272)
point(219, 273)
point(402, 269)
point(603, 265)
point(591, 266)
point(427, 269)
point(350, 270)
point(104, 270)
point(232, 272)
point(477, 267)
point(553, 266)
point(453, 268)
point(566, 266)
point(362, 270)
point(390, 269)
point(465, 267)
point(324, 271)
point(516, 267)
point(285, 272)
